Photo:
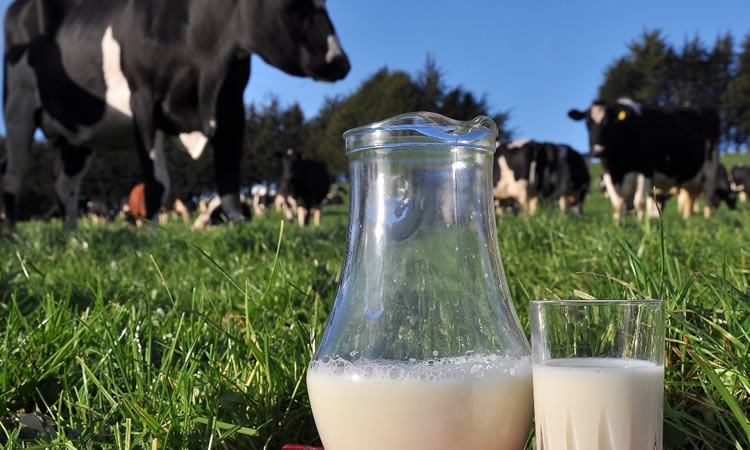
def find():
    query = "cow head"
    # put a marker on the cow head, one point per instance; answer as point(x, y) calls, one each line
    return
point(288, 158)
point(296, 36)
point(609, 126)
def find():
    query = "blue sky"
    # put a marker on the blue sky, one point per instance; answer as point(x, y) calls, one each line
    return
point(536, 59)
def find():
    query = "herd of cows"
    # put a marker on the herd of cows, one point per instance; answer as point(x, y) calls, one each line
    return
point(109, 75)
point(648, 154)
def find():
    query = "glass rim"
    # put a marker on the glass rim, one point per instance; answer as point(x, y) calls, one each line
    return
point(578, 302)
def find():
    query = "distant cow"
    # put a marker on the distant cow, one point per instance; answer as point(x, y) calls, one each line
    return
point(307, 182)
point(740, 182)
point(643, 147)
point(528, 171)
point(516, 175)
point(565, 177)
point(263, 197)
point(123, 74)
point(722, 191)
point(214, 213)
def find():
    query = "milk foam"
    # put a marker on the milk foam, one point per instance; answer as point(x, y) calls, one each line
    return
point(438, 369)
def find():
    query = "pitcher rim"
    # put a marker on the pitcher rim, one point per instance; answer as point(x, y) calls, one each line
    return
point(427, 129)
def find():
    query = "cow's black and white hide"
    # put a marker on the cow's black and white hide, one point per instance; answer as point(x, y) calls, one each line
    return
point(641, 147)
point(122, 74)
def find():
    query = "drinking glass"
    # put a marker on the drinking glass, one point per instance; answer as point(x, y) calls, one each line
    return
point(598, 374)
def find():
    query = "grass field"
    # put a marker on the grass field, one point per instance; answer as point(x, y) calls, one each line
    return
point(112, 337)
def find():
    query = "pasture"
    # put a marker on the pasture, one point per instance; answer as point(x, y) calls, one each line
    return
point(113, 337)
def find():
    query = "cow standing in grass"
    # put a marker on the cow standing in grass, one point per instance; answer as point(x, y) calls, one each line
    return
point(740, 182)
point(643, 147)
point(527, 171)
point(306, 182)
point(123, 74)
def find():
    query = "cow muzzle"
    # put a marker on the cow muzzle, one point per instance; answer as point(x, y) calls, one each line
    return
point(597, 149)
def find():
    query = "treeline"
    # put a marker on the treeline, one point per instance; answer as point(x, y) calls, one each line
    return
point(654, 71)
point(270, 128)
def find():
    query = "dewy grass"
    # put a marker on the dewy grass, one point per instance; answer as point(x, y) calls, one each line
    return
point(119, 338)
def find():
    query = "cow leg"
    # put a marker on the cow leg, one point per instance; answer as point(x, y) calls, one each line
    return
point(316, 216)
point(73, 163)
point(290, 208)
point(710, 183)
point(618, 203)
point(652, 207)
point(21, 105)
point(150, 146)
point(258, 211)
point(156, 176)
point(182, 210)
point(643, 186)
point(227, 145)
point(533, 204)
point(229, 132)
point(685, 203)
point(301, 216)
point(563, 204)
point(279, 203)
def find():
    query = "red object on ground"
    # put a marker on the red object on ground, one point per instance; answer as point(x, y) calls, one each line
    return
point(137, 200)
point(299, 447)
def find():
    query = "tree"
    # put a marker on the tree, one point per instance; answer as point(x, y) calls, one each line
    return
point(722, 70)
point(688, 75)
point(737, 99)
point(642, 74)
point(620, 80)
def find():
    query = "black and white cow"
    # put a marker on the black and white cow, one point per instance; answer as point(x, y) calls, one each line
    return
point(516, 173)
point(643, 147)
point(214, 212)
point(722, 191)
point(122, 74)
point(565, 177)
point(740, 182)
point(306, 182)
point(528, 171)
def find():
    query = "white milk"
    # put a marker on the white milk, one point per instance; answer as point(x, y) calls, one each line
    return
point(598, 404)
point(473, 403)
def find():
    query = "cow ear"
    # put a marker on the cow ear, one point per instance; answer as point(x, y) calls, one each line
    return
point(622, 115)
point(576, 114)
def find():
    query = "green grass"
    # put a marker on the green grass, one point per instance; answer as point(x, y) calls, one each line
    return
point(112, 337)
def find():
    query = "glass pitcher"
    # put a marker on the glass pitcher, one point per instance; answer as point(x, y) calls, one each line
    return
point(423, 348)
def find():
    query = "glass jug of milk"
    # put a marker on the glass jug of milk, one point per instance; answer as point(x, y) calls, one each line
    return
point(423, 348)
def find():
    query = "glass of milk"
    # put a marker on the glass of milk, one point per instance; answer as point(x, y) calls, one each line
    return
point(423, 348)
point(598, 368)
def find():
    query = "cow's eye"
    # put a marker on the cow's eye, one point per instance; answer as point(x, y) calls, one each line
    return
point(622, 115)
